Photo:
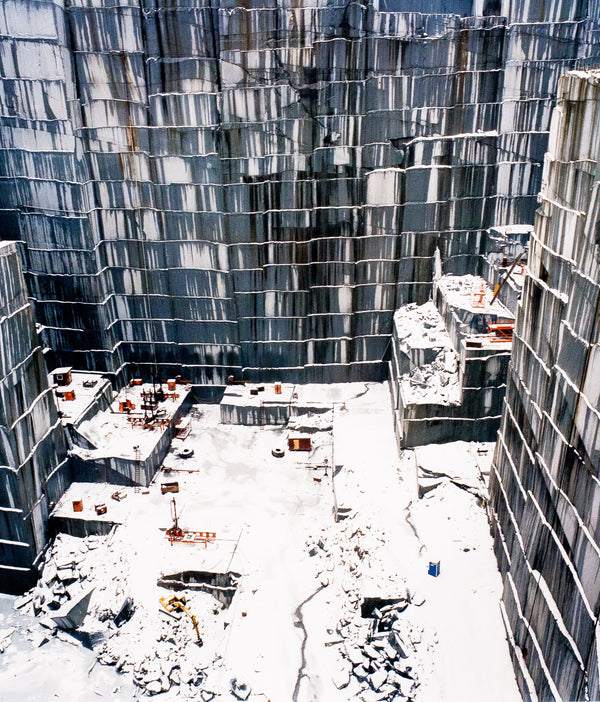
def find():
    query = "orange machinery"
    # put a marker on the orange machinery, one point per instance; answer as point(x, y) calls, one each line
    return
point(179, 604)
point(178, 535)
point(502, 331)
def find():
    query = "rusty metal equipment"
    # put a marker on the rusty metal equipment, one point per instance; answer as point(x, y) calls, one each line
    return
point(174, 531)
point(178, 535)
point(101, 509)
point(514, 264)
point(478, 292)
point(149, 401)
point(77, 505)
point(232, 381)
point(501, 332)
point(183, 536)
point(179, 604)
point(299, 443)
point(169, 487)
point(118, 496)
point(148, 422)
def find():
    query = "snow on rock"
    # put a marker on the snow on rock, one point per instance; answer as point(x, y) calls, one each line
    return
point(312, 421)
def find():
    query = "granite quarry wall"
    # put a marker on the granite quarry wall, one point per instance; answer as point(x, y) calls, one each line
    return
point(212, 189)
point(217, 187)
point(33, 454)
point(545, 491)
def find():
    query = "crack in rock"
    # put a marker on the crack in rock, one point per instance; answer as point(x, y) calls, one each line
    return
point(299, 623)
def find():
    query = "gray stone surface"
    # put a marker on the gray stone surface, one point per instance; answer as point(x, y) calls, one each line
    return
point(447, 373)
point(545, 493)
point(209, 188)
point(33, 462)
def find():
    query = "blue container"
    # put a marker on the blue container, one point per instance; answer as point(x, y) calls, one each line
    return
point(434, 569)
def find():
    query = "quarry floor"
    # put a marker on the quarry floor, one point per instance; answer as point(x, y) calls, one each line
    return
point(296, 616)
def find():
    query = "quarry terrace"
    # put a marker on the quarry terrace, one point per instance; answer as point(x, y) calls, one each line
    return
point(299, 350)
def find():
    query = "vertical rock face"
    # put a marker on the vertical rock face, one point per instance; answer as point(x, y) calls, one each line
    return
point(544, 485)
point(213, 186)
point(32, 445)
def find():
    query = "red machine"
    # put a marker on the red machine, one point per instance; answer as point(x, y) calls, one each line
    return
point(178, 535)
point(501, 332)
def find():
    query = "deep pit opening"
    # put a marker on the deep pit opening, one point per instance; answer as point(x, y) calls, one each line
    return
point(222, 586)
point(370, 604)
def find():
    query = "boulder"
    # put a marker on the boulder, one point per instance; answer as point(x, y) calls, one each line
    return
point(73, 612)
point(20, 602)
point(354, 655)
point(405, 686)
point(377, 679)
point(371, 652)
point(341, 678)
point(153, 687)
point(360, 672)
point(390, 652)
point(397, 644)
point(240, 690)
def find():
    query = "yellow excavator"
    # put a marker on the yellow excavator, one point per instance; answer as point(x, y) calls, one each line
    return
point(174, 604)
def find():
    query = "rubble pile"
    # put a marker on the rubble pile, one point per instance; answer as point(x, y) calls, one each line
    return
point(428, 361)
point(160, 649)
point(169, 664)
point(378, 654)
point(345, 548)
point(439, 377)
point(84, 591)
point(68, 564)
point(381, 655)
point(419, 325)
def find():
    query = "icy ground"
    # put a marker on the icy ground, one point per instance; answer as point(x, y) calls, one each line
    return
point(294, 630)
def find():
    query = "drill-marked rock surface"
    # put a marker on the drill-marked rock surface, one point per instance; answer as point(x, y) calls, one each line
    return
point(211, 186)
point(33, 468)
point(544, 484)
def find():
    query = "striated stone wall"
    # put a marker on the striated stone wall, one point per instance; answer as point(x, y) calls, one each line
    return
point(545, 488)
point(33, 463)
point(213, 187)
